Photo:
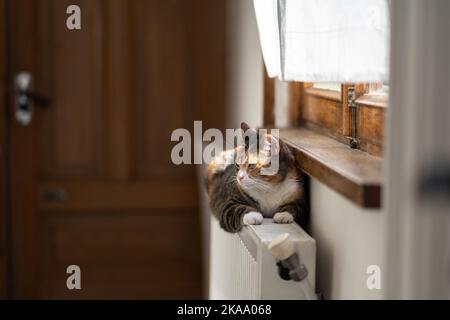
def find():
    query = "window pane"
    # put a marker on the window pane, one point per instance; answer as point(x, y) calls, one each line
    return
point(379, 88)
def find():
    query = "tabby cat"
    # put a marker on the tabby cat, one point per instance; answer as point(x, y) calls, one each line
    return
point(240, 195)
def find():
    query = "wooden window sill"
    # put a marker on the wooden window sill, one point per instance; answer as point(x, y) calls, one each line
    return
point(324, 93)
point(353, 173)
point(373, 100)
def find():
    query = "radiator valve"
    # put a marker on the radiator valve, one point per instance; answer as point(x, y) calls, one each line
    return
point(289, 266)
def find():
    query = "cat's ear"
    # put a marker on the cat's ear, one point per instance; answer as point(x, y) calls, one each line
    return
point(244, 126)
point(271, 146)
point(249, 135)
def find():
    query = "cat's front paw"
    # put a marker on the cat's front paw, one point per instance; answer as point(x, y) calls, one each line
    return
point(252, 217)
point(283, 217)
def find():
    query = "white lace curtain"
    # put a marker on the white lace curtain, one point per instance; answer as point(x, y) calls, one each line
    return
point(325, 40)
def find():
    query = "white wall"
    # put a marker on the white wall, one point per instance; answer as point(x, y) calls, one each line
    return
point(245, 66)
point(244, 101)
point(349, 239)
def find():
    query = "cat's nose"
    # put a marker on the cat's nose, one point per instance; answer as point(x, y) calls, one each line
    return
point(241, 175)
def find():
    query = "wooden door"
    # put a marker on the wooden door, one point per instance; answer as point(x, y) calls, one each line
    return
point(3, 155)
point(92, 183)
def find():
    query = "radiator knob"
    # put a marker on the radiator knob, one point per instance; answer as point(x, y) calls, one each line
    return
point(282, 247)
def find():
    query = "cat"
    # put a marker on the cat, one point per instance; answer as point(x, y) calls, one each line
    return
point(240, 195)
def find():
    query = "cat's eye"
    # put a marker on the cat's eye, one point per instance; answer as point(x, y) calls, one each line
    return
point(237, 165)
point(252, 166)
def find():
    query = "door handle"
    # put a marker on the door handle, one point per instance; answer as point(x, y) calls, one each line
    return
point(434, 181)
point(26, 98)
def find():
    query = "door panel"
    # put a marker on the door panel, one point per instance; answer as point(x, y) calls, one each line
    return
point(92, 183)
point(164, 37)
point(140, 254)
point(70, 72)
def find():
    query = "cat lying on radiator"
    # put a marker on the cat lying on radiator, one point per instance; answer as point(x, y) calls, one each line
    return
point(239, 194)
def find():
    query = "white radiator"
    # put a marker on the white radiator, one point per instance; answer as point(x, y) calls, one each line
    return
point(241, 266)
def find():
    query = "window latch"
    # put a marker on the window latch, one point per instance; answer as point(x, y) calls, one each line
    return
point(351, 100)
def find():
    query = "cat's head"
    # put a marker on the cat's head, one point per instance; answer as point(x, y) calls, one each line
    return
point(265, 162)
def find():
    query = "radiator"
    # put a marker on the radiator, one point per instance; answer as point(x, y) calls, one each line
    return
point(241, 266)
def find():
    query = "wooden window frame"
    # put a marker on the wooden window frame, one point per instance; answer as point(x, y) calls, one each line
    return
point(319, 132)
point(327, 112)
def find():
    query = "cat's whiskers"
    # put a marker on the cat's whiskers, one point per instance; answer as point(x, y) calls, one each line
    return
point(261, 186)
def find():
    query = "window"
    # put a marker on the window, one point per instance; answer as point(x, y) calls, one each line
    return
point(336, 127)
point(320, 128)
point(325, 108)
point(341, 40)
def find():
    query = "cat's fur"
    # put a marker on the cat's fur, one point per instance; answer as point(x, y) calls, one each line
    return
point(237, 202)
